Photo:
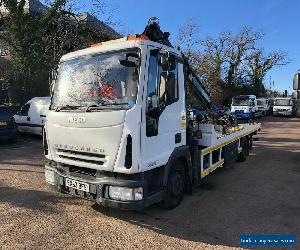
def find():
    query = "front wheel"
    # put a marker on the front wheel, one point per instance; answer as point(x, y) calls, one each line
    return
point(175, 187)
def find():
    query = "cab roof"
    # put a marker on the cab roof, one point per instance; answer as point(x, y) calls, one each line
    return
point(118, 44)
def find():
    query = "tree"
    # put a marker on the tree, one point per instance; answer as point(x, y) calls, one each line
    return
point(38, 40)
point(237, 51)
point(24, 34)
point(187, 38)
point(229, 64)
point(259, 64)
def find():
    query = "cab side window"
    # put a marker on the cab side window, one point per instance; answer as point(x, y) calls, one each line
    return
point(162, 90)
point(152, 103)
point(25, 109)
point(168, 91)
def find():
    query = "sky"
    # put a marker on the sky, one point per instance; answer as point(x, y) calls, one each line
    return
point(278, 19)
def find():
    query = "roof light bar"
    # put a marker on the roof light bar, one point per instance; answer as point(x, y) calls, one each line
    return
point(123, 39)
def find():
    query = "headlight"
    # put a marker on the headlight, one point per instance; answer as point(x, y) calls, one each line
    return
point(49, 177)
point(125, 194)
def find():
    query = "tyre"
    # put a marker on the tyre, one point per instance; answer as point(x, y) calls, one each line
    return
point(250, 142)
point(245, 150)
point(230, 154)
point(175, 186)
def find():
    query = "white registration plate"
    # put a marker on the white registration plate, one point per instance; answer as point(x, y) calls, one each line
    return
point(78, 185)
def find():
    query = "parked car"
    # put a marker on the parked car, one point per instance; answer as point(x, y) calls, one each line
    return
point(8, 127)
point(32, 115)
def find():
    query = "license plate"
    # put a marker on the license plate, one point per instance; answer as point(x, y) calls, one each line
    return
point(78, 185)
point(3, 123)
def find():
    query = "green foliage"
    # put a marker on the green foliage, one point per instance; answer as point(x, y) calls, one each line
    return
point(25, 35)
point(37, 42)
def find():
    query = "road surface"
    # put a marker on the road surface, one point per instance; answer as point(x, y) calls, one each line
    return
point(259, 196)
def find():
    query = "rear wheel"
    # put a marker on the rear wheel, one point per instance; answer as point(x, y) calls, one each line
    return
point(230, 154)
point(175, 186)
point(250, 142)
point(245, 150)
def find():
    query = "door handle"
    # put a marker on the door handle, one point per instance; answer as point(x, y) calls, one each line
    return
point(28, 118)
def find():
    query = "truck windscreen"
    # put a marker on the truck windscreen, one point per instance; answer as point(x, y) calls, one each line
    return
point(282, 102)
point(240, 101)
point(108, 80)
point(261, 102)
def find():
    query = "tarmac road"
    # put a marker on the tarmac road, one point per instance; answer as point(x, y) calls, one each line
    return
point(259, 196)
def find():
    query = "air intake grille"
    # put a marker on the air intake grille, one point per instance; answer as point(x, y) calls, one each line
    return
point(84, 157)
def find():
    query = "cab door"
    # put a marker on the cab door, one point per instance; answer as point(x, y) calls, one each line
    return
point(35, 121)
point(163, 114)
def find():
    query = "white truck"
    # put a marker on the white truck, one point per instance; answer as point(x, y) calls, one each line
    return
point(263, 105)
point(121, 130)
point(245, 107)
point(284, 106)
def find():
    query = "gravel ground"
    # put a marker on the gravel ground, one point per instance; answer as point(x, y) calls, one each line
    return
point(258, 196)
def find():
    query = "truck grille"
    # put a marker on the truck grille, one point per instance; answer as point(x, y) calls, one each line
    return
point(83, 157)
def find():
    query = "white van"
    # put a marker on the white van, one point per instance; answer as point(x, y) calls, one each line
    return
point(263, 105)
point(32, 115)
point(284, 106)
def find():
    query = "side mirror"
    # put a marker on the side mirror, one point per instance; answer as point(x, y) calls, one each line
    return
point(296, 82)
point(130, 60)
point(168, 62)
point(153, 109)
point(154, 113)
point(154, 101)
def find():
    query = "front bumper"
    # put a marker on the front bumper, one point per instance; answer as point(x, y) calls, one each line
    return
point(285, 112)
point(99, 190)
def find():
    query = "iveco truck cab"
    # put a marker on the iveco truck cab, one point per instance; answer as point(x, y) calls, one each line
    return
point(245, 107)
point(118, 131)
point(117, 113)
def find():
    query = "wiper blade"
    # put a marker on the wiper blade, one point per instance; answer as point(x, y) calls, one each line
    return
point(103, 106)
point(66, 107)
point(94, 106)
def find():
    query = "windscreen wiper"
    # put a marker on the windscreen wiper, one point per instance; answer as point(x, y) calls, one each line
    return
point(102, 106)
point(94, 107)
point(66, 107)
